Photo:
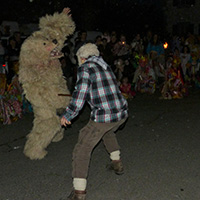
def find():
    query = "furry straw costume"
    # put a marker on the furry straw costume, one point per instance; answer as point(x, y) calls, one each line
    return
point(42, 80)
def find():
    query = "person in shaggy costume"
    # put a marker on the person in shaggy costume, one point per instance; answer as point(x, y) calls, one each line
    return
point(42, 80)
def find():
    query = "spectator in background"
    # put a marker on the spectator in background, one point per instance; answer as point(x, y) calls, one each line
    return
point(176, 43)
point(119, 70)
point(134, 61)
point(190, 40)
point(155, 46)
point(13, 49)
point(126, 88)
point(13, 55)
point(128, 70)
point(77, 39)
point(18, 39)
point(122, 48)
point(155, 52)
point(98, 41)
point(105, 51)
point(68, 67)
point(176, 52)
point(81, 40)
point(185, 58)
point(137, 44)
point(182, 42)
point(113, 41)
point(106, 35)
point(146, 39)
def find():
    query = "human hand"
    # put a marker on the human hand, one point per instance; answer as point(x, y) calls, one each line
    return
point(67, 11)
point(64, 122)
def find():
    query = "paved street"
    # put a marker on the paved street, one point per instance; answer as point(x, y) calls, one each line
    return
point(160, 151)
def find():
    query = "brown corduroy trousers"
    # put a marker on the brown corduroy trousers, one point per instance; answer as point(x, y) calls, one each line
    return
point(89, 136)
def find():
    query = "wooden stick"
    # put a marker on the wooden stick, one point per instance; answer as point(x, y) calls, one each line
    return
point(66, 95)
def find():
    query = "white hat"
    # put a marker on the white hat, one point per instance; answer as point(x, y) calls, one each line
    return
point(87, 50)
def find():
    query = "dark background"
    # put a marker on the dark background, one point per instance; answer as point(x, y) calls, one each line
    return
point(130, 16)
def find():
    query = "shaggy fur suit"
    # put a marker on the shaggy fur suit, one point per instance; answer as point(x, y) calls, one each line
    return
point(42, 80)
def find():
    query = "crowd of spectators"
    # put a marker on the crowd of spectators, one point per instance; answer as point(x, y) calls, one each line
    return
point(144, 63)
point(149, 62)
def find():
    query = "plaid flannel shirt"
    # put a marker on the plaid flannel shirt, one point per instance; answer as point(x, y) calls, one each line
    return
point(96, 84)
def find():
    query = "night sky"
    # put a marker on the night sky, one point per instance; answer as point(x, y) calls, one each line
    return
point(121, 15)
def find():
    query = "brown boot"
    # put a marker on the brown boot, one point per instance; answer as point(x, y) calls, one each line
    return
point(77, 195)
point(117, 167)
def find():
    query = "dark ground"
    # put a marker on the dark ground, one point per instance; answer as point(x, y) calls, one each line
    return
point(160, 151)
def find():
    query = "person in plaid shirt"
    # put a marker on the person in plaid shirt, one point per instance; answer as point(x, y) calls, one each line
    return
point(97, 85)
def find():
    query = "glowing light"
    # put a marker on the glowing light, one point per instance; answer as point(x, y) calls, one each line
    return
point(4, 65)
point(165, 45)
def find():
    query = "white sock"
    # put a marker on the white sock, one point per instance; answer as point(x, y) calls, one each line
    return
point(115, 155)
point(79, 184)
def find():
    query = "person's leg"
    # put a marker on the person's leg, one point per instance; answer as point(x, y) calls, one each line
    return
point(110, 141)
point(45, 126)
point(88, 138)
point(109, 138)
point(113, 148)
